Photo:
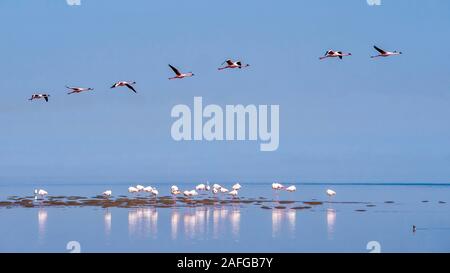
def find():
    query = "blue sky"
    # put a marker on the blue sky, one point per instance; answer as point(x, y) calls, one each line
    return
point(353, 120)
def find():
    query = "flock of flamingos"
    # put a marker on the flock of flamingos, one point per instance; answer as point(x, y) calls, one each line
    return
point(174, 190)
point(230, 64)
point(216, 188)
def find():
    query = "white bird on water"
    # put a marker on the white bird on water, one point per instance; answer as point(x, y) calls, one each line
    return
point(331, 192)
point(291, 188)
point(215, 191)
point(40, 193)
point(107, 193)
point(154, 192)
point(216, 186)
point(236, 186)
point(201, 187)
point(174, 190)
point(147, 189)
point(233, 193)
point(190, 193)
point(224, 190)
point(277, 186)
point(140, 187)
point(133, 190)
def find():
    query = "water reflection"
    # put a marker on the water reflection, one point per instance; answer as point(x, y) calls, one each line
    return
point(331, 219)
point(107, 220)
point(143, 222)
point(279, 218)
point(42, 224)
point(174, 222)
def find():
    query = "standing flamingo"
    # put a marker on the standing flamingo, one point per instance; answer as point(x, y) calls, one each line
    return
point(179, 75)
point(384, 53)
point(333, 54)
point(291, 188)
point(127, 84)
point(231, 64)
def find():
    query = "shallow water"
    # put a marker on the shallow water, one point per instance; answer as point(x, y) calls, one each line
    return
point(357, 215)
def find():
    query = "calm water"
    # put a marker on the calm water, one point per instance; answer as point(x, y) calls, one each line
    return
point(331, 227)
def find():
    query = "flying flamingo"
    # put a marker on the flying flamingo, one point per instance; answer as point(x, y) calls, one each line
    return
point(127, 84)
point(180, 75)
point(231, 64)
point(384, 53)
point(39, 96)
point(78, 89)
point(333, 54)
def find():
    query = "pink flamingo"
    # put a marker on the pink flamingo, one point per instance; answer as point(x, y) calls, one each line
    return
point(231, 64)
point(127, 84)
point(334, 54)
point(384, 53)
point(39, 96)
point(78, 89)
point(180, 75)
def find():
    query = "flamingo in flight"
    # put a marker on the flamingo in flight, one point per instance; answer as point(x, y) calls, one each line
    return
point(333, 54)
point(78, 89)
point(232, 64)
point(39, 96)
point(178, 74)
point(127, 84)
point(384, 53)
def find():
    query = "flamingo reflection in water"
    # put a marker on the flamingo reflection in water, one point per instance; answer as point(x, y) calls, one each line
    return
point(143, 222)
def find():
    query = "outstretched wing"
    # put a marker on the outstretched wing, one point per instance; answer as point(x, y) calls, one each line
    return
point(46, 98)
point(131, 87)
point(379, 50)
point(175, 70)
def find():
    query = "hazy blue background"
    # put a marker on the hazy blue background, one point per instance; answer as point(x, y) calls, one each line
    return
point(352, 120)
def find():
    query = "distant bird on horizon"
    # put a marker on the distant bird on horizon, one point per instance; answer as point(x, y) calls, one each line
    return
point(277, 186)
point(107, 193)
point(127, 84)
point(78, 89)
point(333, 54)
point(384, 53)
point(178, 74)
point(39, 96)
point(42, 193)
point(233, 64)
point(291, 188)
point(330, 192)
